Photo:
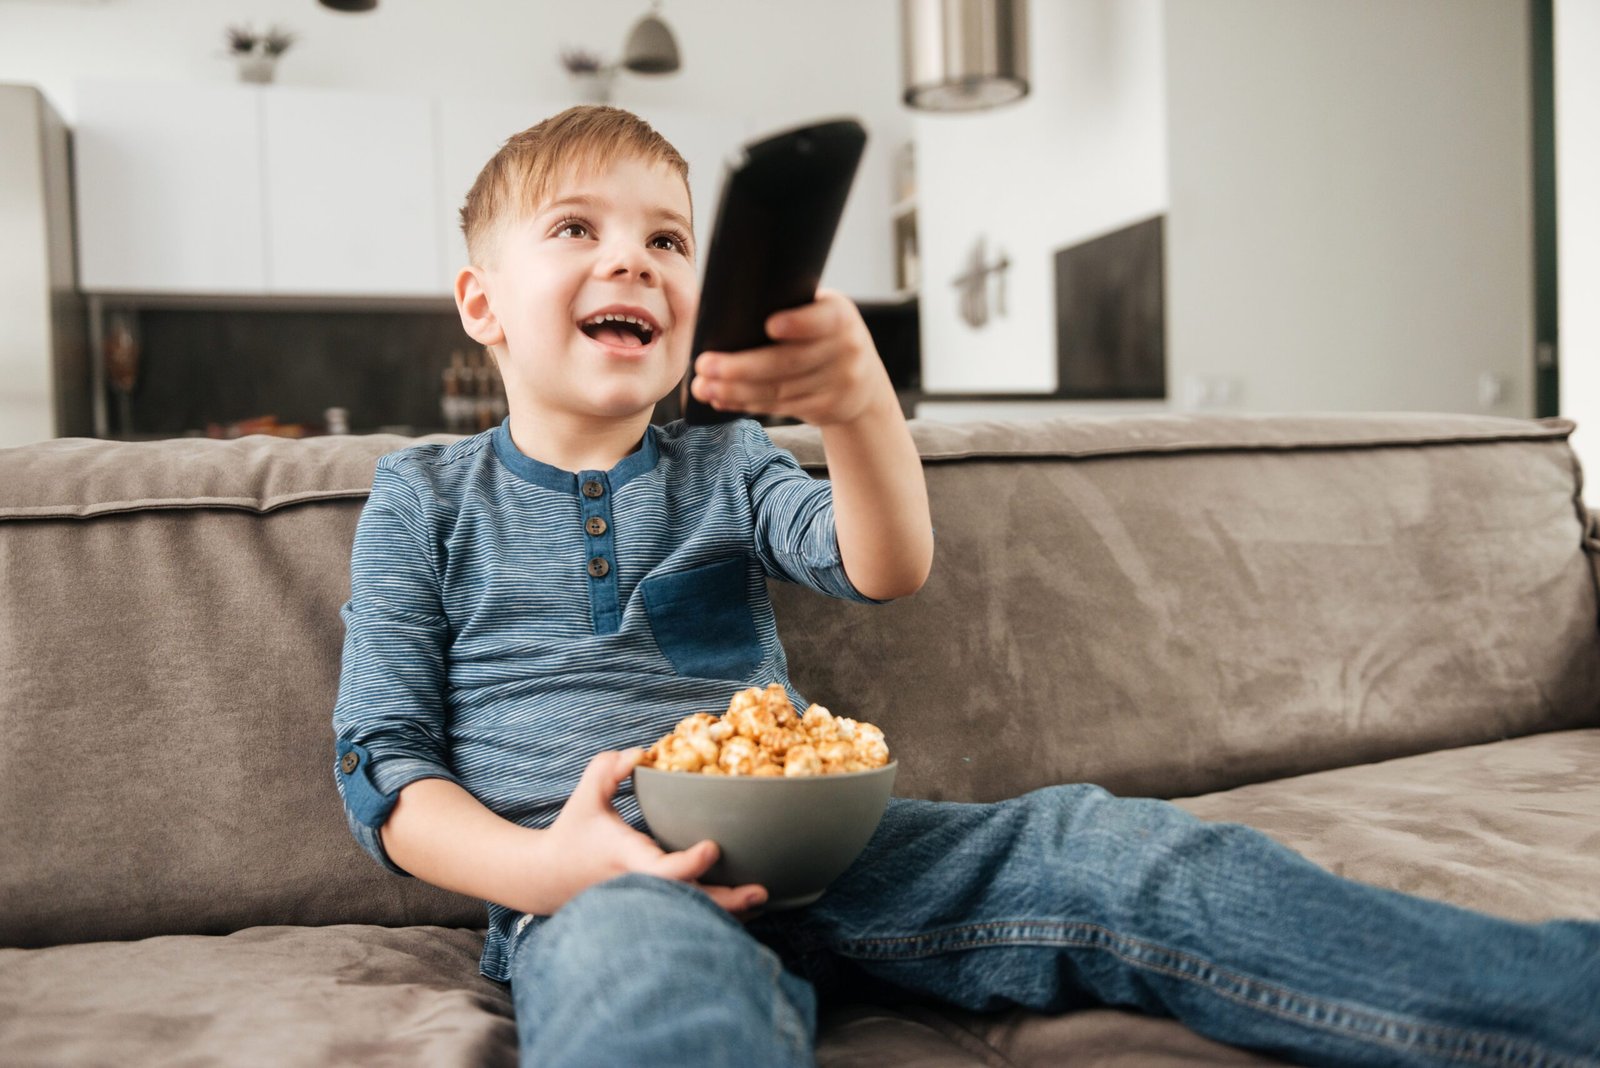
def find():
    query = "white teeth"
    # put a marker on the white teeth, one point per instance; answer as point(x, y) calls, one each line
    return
point(612, 317)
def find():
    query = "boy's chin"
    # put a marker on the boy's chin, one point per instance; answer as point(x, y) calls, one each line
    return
point(625, 406)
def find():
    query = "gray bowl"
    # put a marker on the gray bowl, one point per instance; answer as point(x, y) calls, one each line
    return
point(793, 836)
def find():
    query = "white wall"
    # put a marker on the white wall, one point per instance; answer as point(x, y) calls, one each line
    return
point(26, 397)
point(1351, 202)
point(773, 62)
point(1083, 154)
point(1577, 40)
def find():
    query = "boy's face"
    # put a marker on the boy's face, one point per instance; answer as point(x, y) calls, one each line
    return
point(612, 243)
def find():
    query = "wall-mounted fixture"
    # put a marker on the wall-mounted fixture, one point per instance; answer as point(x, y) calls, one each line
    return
point(964, 55)
point(973, 285)
point(350, 5)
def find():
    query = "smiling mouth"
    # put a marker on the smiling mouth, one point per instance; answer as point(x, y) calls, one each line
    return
point(622, 331)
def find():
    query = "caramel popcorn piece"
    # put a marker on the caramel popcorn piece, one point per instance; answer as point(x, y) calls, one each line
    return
point(870, 746)
point(697, 731)
point(802, 760)
point(675, 753)
point(775, 699)
point(836, 755)
point(751, 721)
point(738, 756)
point(820, 724)
point(779, 740)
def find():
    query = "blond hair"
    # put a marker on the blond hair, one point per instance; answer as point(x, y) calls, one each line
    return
point(575, 142)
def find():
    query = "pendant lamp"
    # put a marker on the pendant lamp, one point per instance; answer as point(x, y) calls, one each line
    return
point(650, 48)
point(964, 55)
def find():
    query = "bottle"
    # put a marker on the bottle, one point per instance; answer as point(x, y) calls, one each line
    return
point(450, 392)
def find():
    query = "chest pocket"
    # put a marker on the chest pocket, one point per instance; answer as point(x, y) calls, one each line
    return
point(701, 620)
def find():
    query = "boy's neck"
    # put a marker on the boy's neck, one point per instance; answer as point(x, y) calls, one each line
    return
point(577, 443)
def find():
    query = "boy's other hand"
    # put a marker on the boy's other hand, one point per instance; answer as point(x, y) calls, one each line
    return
point(822, 367)
point(589, 843)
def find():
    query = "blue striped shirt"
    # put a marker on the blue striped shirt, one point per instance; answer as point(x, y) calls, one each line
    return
point(508, 620)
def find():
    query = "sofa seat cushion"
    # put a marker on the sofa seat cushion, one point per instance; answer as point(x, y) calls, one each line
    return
point(1509, 827)
point(862, 1036)
point(350, 994)
point(362, 994)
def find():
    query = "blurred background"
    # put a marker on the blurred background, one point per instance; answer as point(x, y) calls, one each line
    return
point(229, 216)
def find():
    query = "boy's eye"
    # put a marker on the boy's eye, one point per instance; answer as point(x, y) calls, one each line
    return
point(670, 241)
point(572, 228)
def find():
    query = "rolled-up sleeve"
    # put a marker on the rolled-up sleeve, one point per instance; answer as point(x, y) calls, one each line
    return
point(389, 717)
point(792, 513)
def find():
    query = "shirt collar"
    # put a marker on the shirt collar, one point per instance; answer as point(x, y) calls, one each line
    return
point(539, 473)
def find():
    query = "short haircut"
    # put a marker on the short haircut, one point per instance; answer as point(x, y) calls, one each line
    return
point(517, 179)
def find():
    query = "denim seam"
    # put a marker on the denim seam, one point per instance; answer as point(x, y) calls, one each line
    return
point(1302, 1008)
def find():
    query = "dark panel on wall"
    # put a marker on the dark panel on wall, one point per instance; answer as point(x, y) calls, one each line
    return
point(1110, 316)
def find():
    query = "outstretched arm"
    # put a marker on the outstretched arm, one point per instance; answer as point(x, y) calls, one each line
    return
point(824, 370)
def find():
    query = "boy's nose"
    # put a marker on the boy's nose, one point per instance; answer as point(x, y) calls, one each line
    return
point(627, 261)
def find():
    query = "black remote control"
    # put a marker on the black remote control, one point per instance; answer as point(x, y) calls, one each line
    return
point(779, 209)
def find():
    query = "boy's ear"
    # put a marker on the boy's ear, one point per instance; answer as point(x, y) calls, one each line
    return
point(472, 302)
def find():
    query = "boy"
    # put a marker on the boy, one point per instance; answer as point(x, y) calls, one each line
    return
point(530, 605)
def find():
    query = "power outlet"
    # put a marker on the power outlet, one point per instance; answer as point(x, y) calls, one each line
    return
point(1492, 390)
point(1202, 392)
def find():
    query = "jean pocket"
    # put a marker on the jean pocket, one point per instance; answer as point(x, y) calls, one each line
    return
point(701, 619)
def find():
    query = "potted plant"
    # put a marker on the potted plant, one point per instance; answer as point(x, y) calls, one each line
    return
point(257, 53)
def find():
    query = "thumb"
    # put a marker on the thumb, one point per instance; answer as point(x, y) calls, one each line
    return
point(686, 865)
point(604, 773)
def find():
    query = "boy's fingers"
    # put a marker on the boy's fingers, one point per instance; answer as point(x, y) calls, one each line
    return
point(821, 316)
point(737, 899)
point(686, 865)
point(764, 396)
point(763, 364)
point(605, 772)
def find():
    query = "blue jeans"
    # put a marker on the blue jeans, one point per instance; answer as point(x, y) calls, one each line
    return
point(1062, 898)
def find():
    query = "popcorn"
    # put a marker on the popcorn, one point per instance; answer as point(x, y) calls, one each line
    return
point(761, 736)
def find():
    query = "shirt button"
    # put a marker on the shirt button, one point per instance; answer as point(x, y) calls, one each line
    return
point(351, 759)
point(593, 489)
point(599, 567)
point(595, 526)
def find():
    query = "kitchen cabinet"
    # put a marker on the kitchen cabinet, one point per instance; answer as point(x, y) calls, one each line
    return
point(350, 206)
point(208, 190)
point(222, 190)
point(169, 190)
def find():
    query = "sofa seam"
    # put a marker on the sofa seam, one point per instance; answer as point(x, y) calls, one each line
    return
point(1201, 448)
point(262, 506)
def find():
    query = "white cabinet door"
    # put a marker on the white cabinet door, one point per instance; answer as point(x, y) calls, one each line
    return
point(169, 188)
point(351, 208)
point(470, 131)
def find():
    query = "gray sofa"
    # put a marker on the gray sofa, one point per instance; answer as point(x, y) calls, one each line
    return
point(1373, 637)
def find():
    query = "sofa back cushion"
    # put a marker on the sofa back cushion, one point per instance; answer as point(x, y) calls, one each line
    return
point(1160, 604)
point(1169, 606)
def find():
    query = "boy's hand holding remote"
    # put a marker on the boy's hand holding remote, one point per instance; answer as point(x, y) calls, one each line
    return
point(822, 368)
